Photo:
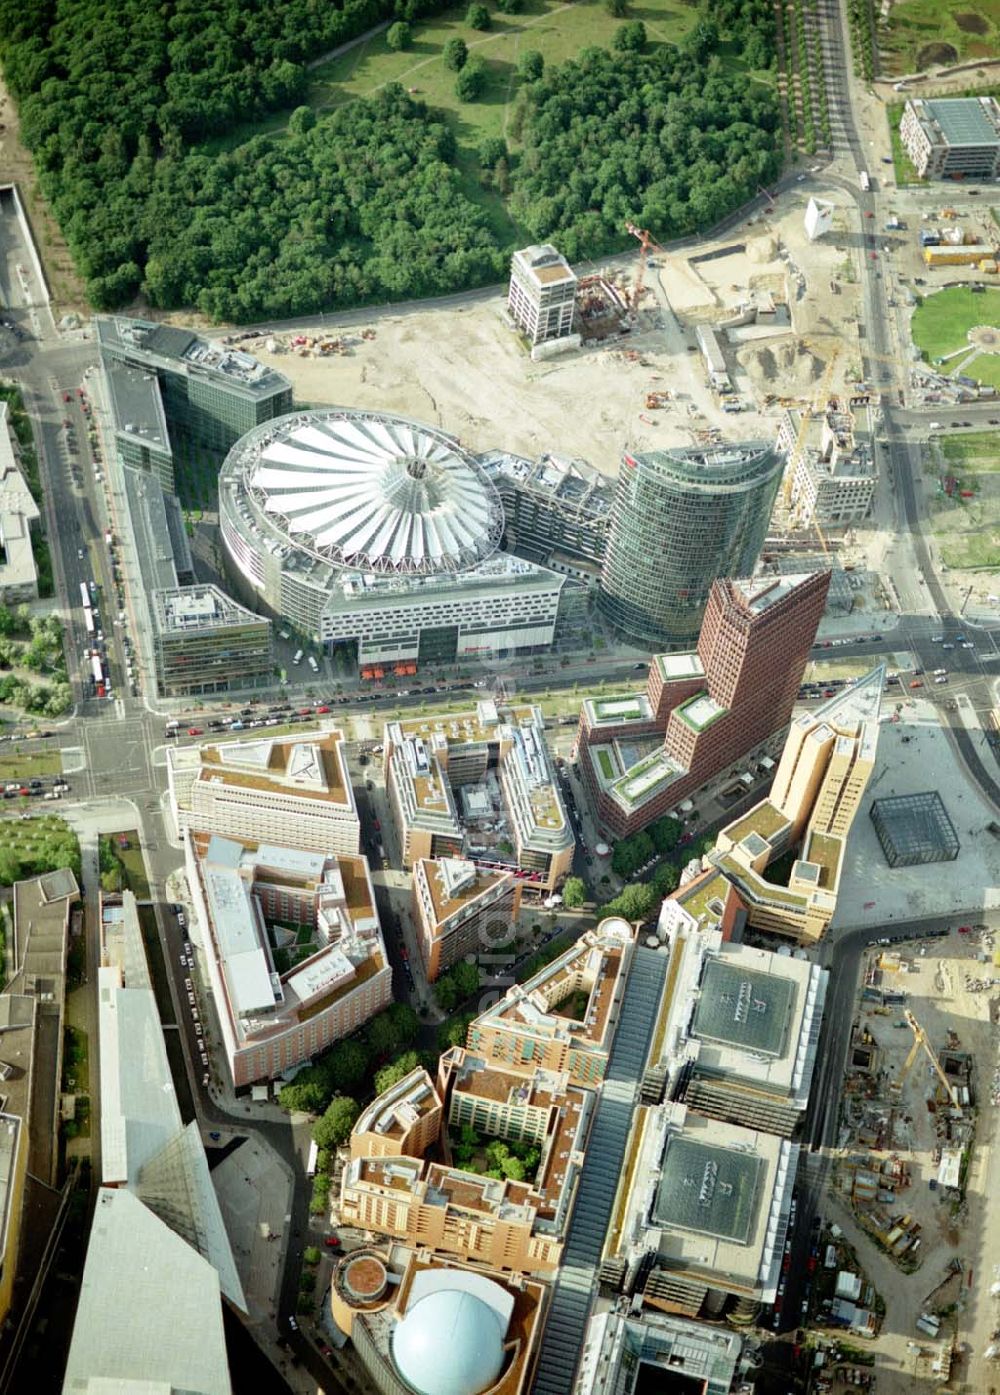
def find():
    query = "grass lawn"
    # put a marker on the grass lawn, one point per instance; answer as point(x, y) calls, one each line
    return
point(14, 765)
point(903, 169)
point(941, 323)
point(26, 836)
point(922, 32)
point(977, 451)
point(969, 529)
point(134, 877)
point(556, 29)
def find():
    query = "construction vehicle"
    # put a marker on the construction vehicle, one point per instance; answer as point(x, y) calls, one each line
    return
point(920, 1041)
point(655, 400)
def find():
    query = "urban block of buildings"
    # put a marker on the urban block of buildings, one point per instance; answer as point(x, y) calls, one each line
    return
point(461, 909)
point(205, 642)
point(623, 1348)
point(422, 1323)
point(18, 511)
point(542, 1239)
point(819, 783)
point(431, 1217)
point(703, 710)
point(682, 517)
point(707, 1205)
point(32, 1006)
point(149, 1317)
point(556, 512)
point(196, 638)
point(529, 1027)
point(952, 137)
point(479, 786)
point(173, 394)
point(280, 1002)
point(739, 1028)
point(833, 474)
point(159, 1261)
point(380, 536)
point(401, 1181)
point(293, 791)
point(541, 298)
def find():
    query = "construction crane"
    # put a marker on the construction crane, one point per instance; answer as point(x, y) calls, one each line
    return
point(817, 405)
point(645, 242)
point(920, 1040)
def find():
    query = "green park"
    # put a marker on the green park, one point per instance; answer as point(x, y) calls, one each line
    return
point(958, 330)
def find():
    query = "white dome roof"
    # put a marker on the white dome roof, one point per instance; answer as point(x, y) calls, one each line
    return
point(449, 1343)
point(375, 492)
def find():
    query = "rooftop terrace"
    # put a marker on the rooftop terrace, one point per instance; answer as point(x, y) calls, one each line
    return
point(764, 819)
point(310, 768)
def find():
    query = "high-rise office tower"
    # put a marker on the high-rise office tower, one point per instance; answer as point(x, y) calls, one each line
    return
point(712, 705)
point(681, 518)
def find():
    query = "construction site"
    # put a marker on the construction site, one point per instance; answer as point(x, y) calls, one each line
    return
point(712, 344)
point(916, 1159)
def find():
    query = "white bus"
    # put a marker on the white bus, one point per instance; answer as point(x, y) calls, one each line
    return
point(864, 181)
point(313, 1159)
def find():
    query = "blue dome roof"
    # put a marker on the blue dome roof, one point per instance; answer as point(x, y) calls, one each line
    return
point(449, 1343)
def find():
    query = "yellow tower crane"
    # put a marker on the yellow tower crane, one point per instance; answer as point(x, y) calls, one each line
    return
point(814, 408)
point(920, 1040)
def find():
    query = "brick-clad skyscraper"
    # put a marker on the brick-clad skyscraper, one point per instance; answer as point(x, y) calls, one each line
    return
point(713, 705)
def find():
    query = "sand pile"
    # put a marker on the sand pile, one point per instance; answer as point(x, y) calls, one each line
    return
point(787, 369)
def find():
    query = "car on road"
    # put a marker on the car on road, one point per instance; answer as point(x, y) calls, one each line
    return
point(322, 708)
point(195, 731)
point(332, 1242)
point(292, 1323)
point(965, 929)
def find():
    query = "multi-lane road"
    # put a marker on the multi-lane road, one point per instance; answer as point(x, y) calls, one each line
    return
point(113, 749)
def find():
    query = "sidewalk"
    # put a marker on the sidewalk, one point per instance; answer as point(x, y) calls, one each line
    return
point(255, 1187)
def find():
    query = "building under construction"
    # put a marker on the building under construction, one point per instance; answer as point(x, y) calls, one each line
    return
point(541, 298)
point(832, 468)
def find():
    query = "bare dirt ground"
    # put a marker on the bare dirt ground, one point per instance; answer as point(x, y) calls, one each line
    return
point(467, 371)
point(940, 997)
point(65, 286)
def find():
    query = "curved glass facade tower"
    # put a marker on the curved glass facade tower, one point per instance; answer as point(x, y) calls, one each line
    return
point(680, 519)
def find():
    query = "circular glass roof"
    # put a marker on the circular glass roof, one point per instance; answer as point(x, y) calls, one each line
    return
point(377, 493)
point(449, 1343)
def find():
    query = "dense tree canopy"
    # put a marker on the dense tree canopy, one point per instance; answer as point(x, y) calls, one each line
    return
point(364, 203)
point(663, 138)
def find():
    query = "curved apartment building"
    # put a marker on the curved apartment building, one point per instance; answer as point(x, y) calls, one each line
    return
point(681, 518)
